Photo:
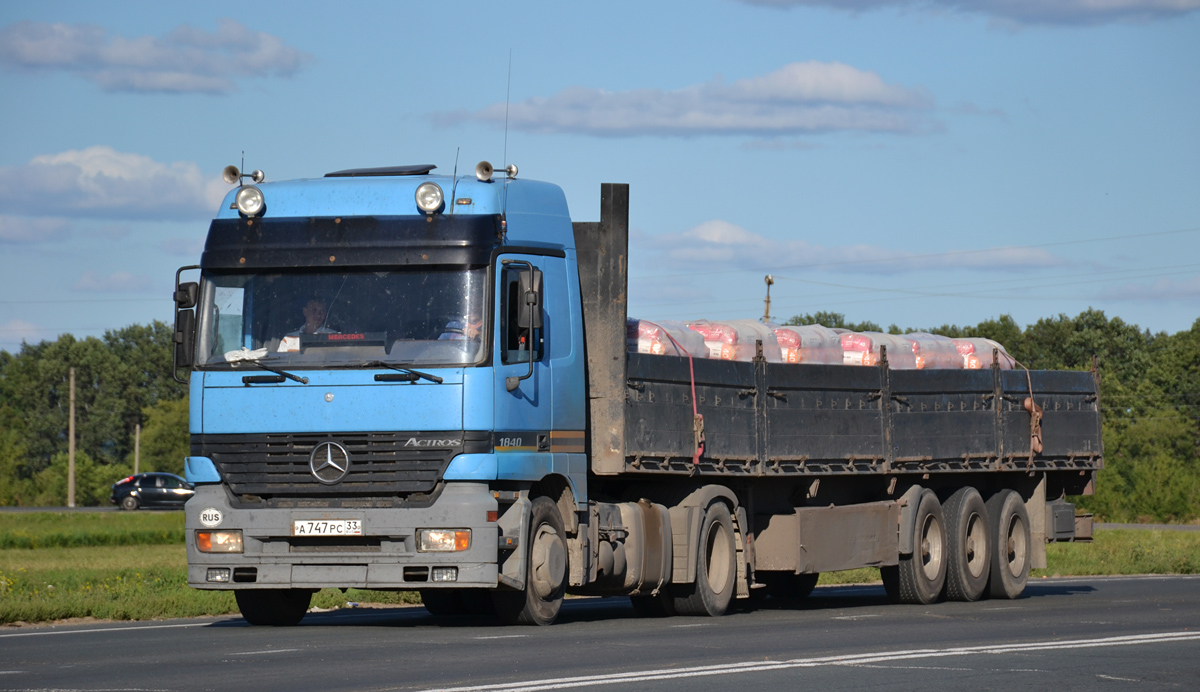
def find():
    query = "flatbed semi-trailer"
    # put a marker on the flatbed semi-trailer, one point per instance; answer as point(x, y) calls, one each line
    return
point(475, 428)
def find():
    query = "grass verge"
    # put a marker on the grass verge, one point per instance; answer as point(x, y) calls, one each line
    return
point(80, 529)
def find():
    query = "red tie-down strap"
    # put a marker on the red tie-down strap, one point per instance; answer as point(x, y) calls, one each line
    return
point(697, 419)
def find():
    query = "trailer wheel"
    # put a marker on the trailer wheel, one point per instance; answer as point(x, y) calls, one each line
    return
point(276, 607)
point(545, 570)
point(921, 575)
point(968, 548)
point(716, 573)
point(1010, 545)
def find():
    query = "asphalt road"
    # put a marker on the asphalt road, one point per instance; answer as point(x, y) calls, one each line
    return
point(1065, 634)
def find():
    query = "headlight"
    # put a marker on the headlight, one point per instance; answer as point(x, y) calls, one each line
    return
point(250, 200)
point(219, 541)
point(429, 197)
point(443, 540)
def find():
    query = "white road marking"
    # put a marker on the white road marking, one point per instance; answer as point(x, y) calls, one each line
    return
point(105, 629)
point(265, 651)
point(843, 660)
point(856, 617)
point(701, 624)
point(504, 636)
point(1109, 677)
point(11, 672)
point(867, 665)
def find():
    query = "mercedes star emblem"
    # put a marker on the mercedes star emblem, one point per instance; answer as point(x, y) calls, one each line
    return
point(330, 462)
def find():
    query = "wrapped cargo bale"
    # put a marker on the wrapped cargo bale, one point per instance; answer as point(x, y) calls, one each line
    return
point(933, 351)
point(976, 353)
point(862, 348)
point(809, 343)
point(644, 336)
point(736, 339)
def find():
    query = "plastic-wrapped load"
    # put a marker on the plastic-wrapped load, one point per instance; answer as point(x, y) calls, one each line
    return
point(735, 339)
point(933, 351)
point(862, 348)
point(644, 336)
point(976, 353)
point(809, 343)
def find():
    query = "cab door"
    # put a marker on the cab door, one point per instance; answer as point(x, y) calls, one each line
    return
point(523, 381)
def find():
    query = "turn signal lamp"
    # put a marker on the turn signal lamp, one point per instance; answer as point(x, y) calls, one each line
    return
point(219, 541)
point(429, 197)
point(443, 540)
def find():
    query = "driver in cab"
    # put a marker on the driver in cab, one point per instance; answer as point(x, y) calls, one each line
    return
point(316, 312)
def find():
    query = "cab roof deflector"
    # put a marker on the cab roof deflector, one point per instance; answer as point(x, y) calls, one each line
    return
point(418, 169)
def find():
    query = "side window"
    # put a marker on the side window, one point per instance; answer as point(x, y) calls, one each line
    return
point(172, 483)
point(515, 339)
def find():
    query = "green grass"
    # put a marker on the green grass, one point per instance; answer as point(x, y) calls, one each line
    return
point(133, 566)
point(79, 529)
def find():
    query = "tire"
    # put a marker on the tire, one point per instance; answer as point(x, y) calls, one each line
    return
point(921, 575)
point(659, 606)
point(716, 572)
point(545, 570)
point(787, 586)
point(274, 607)
point(968, 546)
point(1011, 545)
point(129, 503)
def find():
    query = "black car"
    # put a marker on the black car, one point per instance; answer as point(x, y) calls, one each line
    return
point(151, 490)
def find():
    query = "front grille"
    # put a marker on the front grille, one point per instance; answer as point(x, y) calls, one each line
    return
point(381, 463)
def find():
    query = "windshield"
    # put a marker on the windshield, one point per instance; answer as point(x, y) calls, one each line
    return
point(421, 316)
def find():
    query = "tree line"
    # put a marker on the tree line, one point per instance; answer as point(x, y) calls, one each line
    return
point(1149, 396)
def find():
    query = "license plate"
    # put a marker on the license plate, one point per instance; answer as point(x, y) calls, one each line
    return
point(327, 527)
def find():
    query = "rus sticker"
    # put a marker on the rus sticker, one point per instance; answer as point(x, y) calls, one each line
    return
point(211, 517)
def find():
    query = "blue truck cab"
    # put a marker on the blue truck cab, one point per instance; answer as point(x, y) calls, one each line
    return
point(382, 361)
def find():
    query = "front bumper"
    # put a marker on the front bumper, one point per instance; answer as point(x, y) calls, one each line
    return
point(384, 557)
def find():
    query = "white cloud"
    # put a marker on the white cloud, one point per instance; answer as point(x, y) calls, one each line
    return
point(187, 60)
point(1020, 11)
point(26, 230)
point(117, 282)
point(716, 246)
point(100, 182)
point(806, 97)
point(14, 332)
point(1161, 290)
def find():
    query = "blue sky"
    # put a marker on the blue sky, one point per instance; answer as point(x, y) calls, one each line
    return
point(909, 162)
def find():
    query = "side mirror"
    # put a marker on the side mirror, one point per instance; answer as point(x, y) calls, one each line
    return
point(187, 295)
point(529, 291)
point(185, 339)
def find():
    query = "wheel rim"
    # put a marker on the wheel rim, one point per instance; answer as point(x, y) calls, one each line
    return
point(549, 560)
point(976, 546)
point(931, 548)
point(717, 566)
point(1016, 547)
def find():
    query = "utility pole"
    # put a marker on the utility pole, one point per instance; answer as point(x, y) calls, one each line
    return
point(71, 446)
point(137, 446)
point(767, 308)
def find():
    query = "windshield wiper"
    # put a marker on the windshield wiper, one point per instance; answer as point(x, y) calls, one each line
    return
point(412, 374)
point(267, 380)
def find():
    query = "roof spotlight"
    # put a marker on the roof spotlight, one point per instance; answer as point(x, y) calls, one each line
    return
point(429, 197)
point(250, 200)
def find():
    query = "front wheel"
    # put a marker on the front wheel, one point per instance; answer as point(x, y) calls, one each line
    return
point(716, 573)
point(545, 570)
point(275, 607)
